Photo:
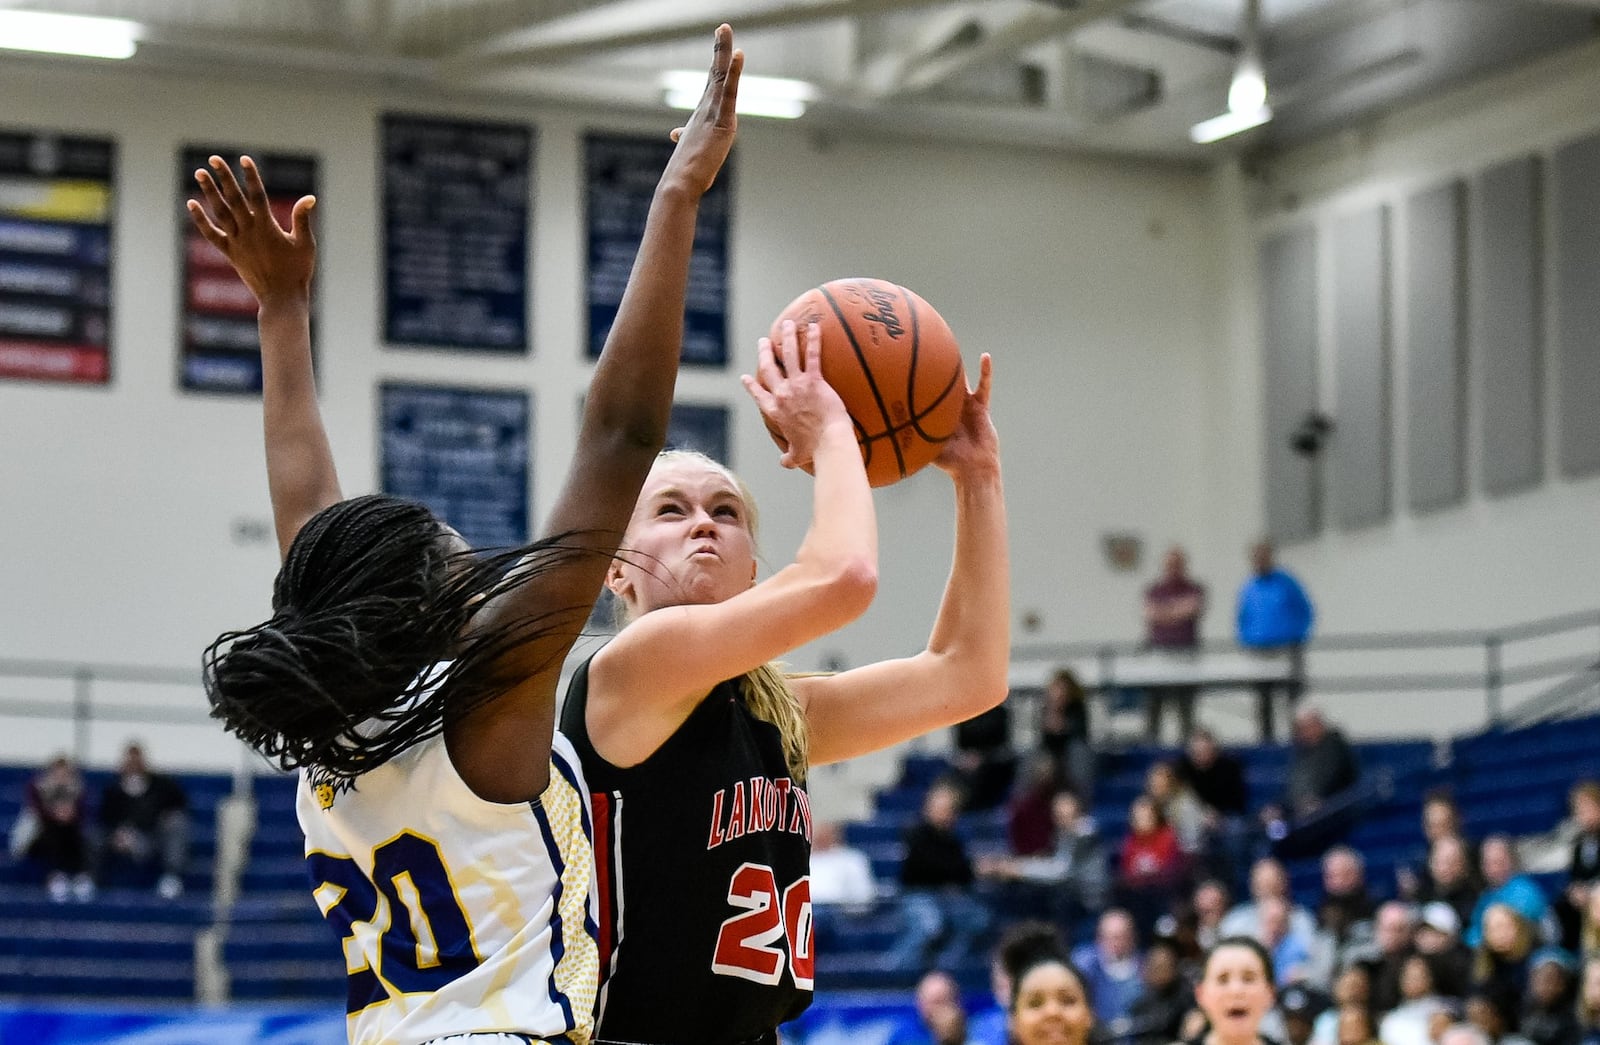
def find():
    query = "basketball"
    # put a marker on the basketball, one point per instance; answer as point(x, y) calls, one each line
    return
point(894, 362)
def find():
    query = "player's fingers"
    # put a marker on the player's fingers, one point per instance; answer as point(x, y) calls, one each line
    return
point(766, 366)
point(985, 379)
point(300, 219)
point(763, 398)
point(254, 191)
point(214, 200)
point(728, 105)
point(223, 174)
point(789, 349)
point(676, 133)
point(202, 223)
point(814, 348)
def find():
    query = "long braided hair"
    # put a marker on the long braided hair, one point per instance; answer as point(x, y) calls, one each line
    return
point(371, 646)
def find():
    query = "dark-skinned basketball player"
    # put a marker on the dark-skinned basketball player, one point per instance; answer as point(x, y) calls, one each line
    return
point(697, 748)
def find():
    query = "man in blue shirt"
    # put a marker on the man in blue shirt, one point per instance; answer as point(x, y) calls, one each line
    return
point(1274, 617)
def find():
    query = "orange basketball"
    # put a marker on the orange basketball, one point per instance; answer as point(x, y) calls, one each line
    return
point(894, 362)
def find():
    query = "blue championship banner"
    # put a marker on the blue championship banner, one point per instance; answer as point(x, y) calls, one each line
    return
point(455, 233)
point(464, 453)
point(620, 180)
point(221, 347)
point(55, 257)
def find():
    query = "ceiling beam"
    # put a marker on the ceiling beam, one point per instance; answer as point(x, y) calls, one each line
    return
point(440, 29)
point(1018, 34)
point(634, 22)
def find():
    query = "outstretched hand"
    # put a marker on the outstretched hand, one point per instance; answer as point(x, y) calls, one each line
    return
point(239, 223)
point(793, 396)
point(975, 444)
point(704, 141)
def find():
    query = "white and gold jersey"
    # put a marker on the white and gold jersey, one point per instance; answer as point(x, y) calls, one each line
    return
point(458, 915)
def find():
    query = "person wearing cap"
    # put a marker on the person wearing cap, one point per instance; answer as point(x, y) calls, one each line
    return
point(1549, 1016)
point(1438, 940)
point(1300, 1006)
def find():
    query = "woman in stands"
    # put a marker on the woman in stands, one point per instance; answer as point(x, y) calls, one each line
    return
point(1235, 993)
point(448, 834)
point(697, 748)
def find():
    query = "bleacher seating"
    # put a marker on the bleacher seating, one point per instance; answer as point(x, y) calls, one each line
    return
point(129, 944)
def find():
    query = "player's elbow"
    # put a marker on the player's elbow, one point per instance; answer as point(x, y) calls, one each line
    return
point(852, 586)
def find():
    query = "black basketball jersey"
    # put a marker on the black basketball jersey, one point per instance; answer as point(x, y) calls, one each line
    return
point(703, 862)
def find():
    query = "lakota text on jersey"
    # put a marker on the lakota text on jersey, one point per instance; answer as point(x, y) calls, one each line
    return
point(761, 804)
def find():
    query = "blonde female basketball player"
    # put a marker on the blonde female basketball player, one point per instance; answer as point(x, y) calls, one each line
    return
point(448, 834)
point(697, 749)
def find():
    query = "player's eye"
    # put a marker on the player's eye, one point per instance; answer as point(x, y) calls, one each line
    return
point(726, 510)
point(669, 508)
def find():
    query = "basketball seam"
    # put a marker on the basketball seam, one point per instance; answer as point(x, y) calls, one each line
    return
point(866, 370)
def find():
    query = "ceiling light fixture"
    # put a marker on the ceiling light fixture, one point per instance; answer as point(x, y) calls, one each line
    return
point(1247, 94)
point(771, 96)
point(82, 35)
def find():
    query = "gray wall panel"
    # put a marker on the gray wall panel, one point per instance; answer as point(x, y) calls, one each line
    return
point(1577, 205)
point(1359, 451)
point(1505, 293)
point(1435, 353)
point(1289, 342)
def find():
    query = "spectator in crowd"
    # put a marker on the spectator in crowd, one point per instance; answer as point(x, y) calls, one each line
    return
point(841, 881)
point(1267, 879)
point(1050, 1004)
point(1217, 780)
point(1300, 1006)
point(1290, 951)
point(1450, 878)
point(1157, 1013)
point(1344, 885)
point(1591, 926)
point(1111, 969)
point(1352, 987)
point(1173, 607)
point(1501, 965)
point(1274, 616)
point(1549, 1014)
point(1210, 908)
point(1451, 1014)
point(1394, 930)
point(1495, 1014)
point(1589, 1002)
point(1179, 807)
point(1583, 870)
point(1441, 818)
point(1322, 769)
point(1072, 880)
point(939, 1010)
point(1344, 915)
point(1356, 1026)
point(1235, 992)
point(1409, 1022)
point(1151, 858)
point(1029, 828)
point(1064, 731)
point(49, 830)
point(1505, 884)
point(144, 821)
point(1438, 939)
point(936, 887)
point(984, 760)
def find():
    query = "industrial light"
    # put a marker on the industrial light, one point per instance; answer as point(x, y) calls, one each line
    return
point(771, 96)
point(83, 35)
point(1247, 93)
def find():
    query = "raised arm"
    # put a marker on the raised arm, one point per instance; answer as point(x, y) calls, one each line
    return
point(963, 670)
point(502, 748)
point(277, 267)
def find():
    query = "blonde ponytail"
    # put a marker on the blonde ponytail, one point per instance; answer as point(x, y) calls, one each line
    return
point(769, 697)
